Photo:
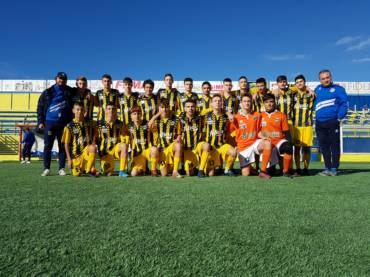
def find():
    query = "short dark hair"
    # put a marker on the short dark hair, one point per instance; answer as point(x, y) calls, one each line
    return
point(78, 103)
point(163, 103)
point(189, 101)
point(261, 80)
point(227, 80)
point(243, 77)
point(127, 80)
point(206, 83)
point(247, 95)
point(268, 96)
point(148, 82)
point(106, 76)
point(188, 79)
point(217, 95)
point(281, 78)
point(168, 75)
point(81, 78)
point(324, 71)
point(111, 104)
point(300, 76)
point(135, 109)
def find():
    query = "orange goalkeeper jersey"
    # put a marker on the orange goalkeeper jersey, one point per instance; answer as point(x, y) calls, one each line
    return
point(247, 128)
point(273, 126)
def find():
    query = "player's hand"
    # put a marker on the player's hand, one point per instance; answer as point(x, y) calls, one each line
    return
point(311, 93)
point(151, 124)
point(69, 162)
point(255, 96)
point(178, 139)
point(41, 126)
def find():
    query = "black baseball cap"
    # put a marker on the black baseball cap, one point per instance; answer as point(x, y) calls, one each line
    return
point(61, 75)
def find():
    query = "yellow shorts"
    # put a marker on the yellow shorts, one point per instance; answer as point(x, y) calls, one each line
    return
point(79, 163)
point(166, 156)
point(303, 136)
point(139, 162)
point(107, 163)
point(223, 150)
point(190, 160)
point(213, 159)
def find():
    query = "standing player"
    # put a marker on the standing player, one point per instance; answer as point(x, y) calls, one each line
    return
point(187, 95)
point(284, 98)
point(243, 88)
point(167, 129)
point(27, 141)
point(274, 127)
point(204, 101)
point(169, 93)
point(148, 102)
point(79, 142)
point(105, 96)
point(191, 126)
point(302, 125)
point(127, 100)
point(112, 142)
point(142, 146)
point(247, 125)
point(257, 93)
point(230, 101)
point(216, 126)
point(83, 95)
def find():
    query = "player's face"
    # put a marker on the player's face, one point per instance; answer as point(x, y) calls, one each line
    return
point(300, 84)
point(127, 86)
point(217, 103)
point(282, 84)
point(81, 84)
point(148, 89)
point(110, 112)
point(60, 82)
point(168, 81)
point(269, 105)
point(206, 89)
point(243, 83)
point(164, 111)
point(325, 79)
point(188, 86)
point(190, 108)
point(78, 111)
point(228, 86)
point(107, 83)
point(246, 103)
point(135, 117)
point(261, 87)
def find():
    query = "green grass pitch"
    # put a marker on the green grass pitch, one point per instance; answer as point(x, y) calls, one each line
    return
point(220, 226)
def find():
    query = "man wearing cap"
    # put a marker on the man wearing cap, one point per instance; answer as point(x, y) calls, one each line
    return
point(54, 111)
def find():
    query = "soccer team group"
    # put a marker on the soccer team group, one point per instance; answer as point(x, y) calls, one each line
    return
point(177, 134)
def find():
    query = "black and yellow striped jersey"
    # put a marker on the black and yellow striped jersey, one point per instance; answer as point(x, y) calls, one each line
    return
point(77, 135)
point(303, 109)
point(140, 137)
point(258, 105)
point(183, 97)
point(148, 106)
point(109, 135)
point(191, 130)
point(284, 103)
point(87, 99)
point(204, 104)
point(170, 96)
point(230, 104)
point(126, 103)
point(215, 128)
point(238, 93)
point(102, 98)
point(166, 129)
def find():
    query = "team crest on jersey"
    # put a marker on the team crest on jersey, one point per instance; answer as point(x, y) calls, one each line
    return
point(332, 90)
point(277, 120)
point(255, 118)
point(75, 130)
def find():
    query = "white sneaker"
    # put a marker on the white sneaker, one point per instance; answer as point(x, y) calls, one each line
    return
point(62, 172)
point(46, 173)
point(28, 162)
point(23, 162)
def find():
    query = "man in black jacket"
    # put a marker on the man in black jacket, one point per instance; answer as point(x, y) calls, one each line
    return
point(54, 111)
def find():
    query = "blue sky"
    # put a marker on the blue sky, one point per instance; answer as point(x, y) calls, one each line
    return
point(202, 39)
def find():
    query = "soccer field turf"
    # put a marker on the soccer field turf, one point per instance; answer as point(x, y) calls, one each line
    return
point(160, 226)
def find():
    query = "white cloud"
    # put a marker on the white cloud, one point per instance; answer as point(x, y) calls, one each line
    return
point(362, 60)
point(360, 45)
point(286, 57)
point(347, 40)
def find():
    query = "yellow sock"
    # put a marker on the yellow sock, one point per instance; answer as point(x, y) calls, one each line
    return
point(203, 160)
point(176, 163)
point(153, 163)
point(122, 164)
point(90, 162)
point(229, 162)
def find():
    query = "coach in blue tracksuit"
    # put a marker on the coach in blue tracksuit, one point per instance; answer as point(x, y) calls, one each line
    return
point(54, 111)
point(330, 107)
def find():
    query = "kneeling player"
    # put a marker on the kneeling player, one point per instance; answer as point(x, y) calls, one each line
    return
point(216, 126)
point(142, 148)
point(168, 131)
point(275, 127)
point(247, 126)
point(79, 143)
point(112, 143)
